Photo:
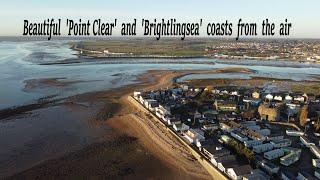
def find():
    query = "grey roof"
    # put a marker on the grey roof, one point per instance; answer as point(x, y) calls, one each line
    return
point(242, 170)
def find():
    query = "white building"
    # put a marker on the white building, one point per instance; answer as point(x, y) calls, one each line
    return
point(161, 111)
point(237, 173)
point(136, 94)
point(224, 92)
point(166, 118)
point(141, 99)
point(263, 148)
point(172, 121)
point(214, 152)
point(225, 127)
point(210, 127)
point(278, 98)
point(194, 135)
point(281, 143)
point(299, 98)
point(234, 93)
point(216, 160)
point(288, 98)
point(180, 127)
point(273, 154)
point(270, 138)
point(269, 97)
point(151, 104)
point(293, 155)
point(255, 95)
point(239, 136)
point(224, 165)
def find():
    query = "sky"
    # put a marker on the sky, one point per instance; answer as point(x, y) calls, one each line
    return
point(304, 15)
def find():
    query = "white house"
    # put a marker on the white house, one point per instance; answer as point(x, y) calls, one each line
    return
point(180, 127)
point(316, 163)
point(225, 127)
point(299, 98)
point(151, 104)
point(136, 94)
point(234, 93)
point(185, 87)
point(224, 165)
point(273, 154)
point(239, 136)
point(194, 135)
point(141, 99)
point(236, 173)
point(278, 98)
point(293, 155)
point(276, 137)
point(213, 152)
point(288, 98)
point(216, 160)
point(255, 95)
point(269, 97)
point(172, 121)
point(210, 127)
point(161, 111)
point(281, 143)
point(215, 91)
point(166, 118)
point(224, 92)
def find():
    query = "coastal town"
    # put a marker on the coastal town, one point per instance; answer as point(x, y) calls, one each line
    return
point(241, 132)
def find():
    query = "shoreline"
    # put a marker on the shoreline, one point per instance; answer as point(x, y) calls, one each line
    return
point(125, 120)
point(122, 124)
point(198, 157)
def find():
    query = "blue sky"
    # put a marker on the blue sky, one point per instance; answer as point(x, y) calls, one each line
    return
point(304, 15)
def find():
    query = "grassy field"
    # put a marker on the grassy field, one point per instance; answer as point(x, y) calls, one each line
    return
point(283, 84)
point(198, 47)
point(163, 47)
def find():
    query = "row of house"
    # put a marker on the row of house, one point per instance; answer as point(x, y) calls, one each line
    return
point(270, 147)
point(226, 163)
point(225, 118)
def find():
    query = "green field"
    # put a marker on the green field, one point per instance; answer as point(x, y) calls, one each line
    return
point(163, 47)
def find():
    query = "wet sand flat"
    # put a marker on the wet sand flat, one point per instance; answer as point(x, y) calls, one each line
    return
point(138, 160)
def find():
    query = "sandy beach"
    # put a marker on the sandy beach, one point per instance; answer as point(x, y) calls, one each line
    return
point(135, 149)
